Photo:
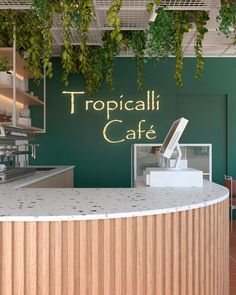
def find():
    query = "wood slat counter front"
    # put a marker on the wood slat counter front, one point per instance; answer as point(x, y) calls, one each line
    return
point(142, 241)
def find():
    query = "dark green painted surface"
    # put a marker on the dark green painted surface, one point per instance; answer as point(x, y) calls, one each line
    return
point(77, 139)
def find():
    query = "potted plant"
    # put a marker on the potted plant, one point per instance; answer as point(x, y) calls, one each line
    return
point(5, 75)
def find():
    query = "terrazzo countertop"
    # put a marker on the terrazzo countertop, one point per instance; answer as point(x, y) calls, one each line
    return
point(90, 203)
point(35, 177)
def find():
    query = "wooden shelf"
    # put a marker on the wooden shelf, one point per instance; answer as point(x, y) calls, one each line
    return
point(20, 126)
point(21, 96)
point(21, 63)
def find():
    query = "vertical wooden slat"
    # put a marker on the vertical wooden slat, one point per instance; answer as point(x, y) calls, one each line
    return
point(168, 254)
point(215, 256)
point(95, 258)
point(31, 258)
point(176, 254)
point(129, 257)
point(196, 247)
point(211, 249)
point(107, 264)
point(7, 239)
point(134, 255)
point(67, 257)
point(82, 258)
point(150, 256)
point(183, 253)
point(140, 258)
point(190, 252)
point(77, 257)
point(159, 254)
point(202, 252)
point(207, 246)
point(56, 258)
point(101, 258)
point(18, 258)
point(88, 257)
point(43, 258)
point(118, 257)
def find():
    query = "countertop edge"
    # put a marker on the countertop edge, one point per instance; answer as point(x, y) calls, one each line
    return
point(113, 215)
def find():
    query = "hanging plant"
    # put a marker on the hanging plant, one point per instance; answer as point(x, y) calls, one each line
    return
point(137, 42)
point(150, 5)
point(83, 21)
point(67, 59)
point(114, 20)
point(43, 10)
point(110, 49)
point(4, 65)
point(200, 19)
point(8, 18)
point(32, 40)
point(182, 26)
point(160, 34)
point(227, 19)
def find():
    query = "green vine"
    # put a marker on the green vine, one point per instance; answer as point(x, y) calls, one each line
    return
point(67, 61)
point(200, 19)
point(160, 34)
point(182, 26)
point(151, 4)
point(227, 19)
point(110, 49)
point(114, 20)
point(83, 22)
point(43, 10)
point(137, 42)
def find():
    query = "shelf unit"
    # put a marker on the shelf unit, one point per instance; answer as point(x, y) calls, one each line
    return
point(20, 69)
point(21, 96)
point(22, 127)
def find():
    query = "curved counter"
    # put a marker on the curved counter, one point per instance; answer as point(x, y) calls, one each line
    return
point(141, 241)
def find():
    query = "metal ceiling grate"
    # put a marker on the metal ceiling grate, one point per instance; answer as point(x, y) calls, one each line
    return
point(134, 16)
point(15, 4)
point(129, 20)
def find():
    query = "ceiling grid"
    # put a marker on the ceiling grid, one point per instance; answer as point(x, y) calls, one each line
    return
point(134, 16)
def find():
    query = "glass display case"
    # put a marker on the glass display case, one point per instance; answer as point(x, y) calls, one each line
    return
point(197, 156)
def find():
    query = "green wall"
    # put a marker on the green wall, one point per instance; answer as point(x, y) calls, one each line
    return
point(77, 139)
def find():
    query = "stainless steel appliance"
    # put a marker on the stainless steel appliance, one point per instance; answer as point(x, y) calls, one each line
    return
point(9, 160)
point(14, 173)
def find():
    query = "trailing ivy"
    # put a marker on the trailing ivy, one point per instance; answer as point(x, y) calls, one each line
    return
point(137, 42)
point(110, 49)
point(200, 19)
point(43, 10)
point(160, 34)
point(227, 19)
point(67, 60)
point(182, 26)
point(114, 20)
point(83, 21)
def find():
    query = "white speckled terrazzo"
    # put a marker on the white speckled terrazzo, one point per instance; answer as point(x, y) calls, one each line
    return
point(90, 203)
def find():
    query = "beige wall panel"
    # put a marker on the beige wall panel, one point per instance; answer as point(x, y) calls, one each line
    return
point(182, 253)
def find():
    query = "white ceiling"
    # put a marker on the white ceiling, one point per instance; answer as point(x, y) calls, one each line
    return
point(134, 16)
